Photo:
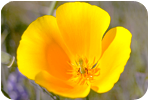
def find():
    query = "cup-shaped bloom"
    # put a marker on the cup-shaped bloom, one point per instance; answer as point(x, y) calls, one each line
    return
point(68, 54)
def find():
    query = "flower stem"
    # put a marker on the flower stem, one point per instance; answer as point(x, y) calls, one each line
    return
point(55, 97)
point(52, 7)
point(87, 98)
point(38, 95)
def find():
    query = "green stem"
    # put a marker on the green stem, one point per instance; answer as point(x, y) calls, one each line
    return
point(4, 81)
point(87, 98)
point(3, 36)
point(52, 7)
point(38, 94)
point(55, 97)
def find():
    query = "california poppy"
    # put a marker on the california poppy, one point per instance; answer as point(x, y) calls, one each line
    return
point(68, 54)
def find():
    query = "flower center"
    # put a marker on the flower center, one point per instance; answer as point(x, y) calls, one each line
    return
point(82, 67)
point(84, 72)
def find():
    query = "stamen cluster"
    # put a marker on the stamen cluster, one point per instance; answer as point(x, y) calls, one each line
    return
point(83, 72)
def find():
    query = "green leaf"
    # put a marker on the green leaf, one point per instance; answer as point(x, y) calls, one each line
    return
point(7, 59)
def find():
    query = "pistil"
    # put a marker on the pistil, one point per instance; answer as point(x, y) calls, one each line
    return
point(84, 72)
point(82, 68)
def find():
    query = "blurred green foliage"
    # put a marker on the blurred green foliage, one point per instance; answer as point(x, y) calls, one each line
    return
point(16, 16)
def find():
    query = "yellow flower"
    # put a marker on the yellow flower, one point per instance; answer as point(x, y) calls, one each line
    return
point(68, 55)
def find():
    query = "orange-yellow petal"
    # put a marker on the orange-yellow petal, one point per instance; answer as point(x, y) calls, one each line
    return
point(116, 52)
point(40, 48)
point(58, 62)
point(82, 26)
point(60, 87)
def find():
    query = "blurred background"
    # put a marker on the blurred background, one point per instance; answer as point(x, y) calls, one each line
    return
point(133, 83)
